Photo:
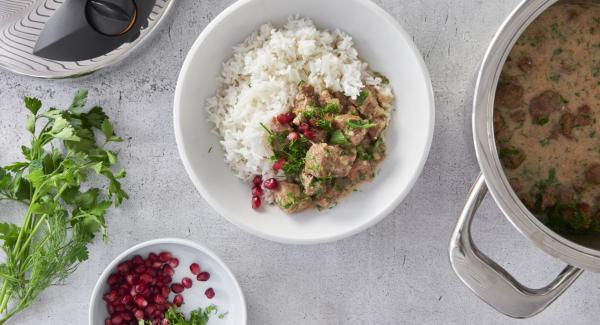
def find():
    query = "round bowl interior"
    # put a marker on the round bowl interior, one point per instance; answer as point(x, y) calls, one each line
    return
point(229, 297)
point(581, 251)
point(382, 43)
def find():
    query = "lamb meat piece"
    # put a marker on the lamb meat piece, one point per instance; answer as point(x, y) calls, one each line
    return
point(518, 116)
point(303, 101)
point(584, 116)
point(289, 197)
point(525, 64)
point(509, 94)
point(326, 98)
point(381, 123)
point(323, 160)
point(511, 156)
point(370, 107)
point(312, 185)
point(362, 170)
point(567, 123)
point(354, 135)
point(543, 105)
point(592, 174)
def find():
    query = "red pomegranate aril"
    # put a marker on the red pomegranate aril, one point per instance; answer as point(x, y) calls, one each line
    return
point(151, 309)
point(113, 279)
point(164, 291)
point(116, 319)
point(257, 191)
point(138, 314)
point(146, 278)
point(195, 268)
point(278, 164)
point(131, 278)
point(164, 256)
point(303, 127)
point(152, 257)
point(204, 276)
point(257, 180)
point(126, 299)
point(167, 279)
point(111, 296)
point(140, 269)
point(126, 316)
point(159, 299)
point(186, 282)
point(119, 308)
point(137, 260)
point(256, 202)
point(285, 118)
point(164, 322)
point(271, 183)
point(174, 262)
point(293, 136)
point(107, 321)
point(157, 264)
point(309, 134)
point(177, 288)
point(168, 270)
point(139, 288)
point(123, 267)
point(110, 308)
point(178, 300)
point(140, 301)
point(210, 293)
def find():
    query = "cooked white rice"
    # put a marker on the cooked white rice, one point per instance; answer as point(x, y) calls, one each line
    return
point(262, 77)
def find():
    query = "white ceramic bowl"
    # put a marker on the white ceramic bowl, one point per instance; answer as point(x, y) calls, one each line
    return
point(382, 43)
point(228, 294)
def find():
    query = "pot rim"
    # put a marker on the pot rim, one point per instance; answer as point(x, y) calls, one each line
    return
point(485, 145)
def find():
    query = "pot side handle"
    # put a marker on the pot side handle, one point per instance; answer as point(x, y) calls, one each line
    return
point(490, 281)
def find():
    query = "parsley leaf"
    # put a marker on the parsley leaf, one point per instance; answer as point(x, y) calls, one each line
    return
point(362, 97)
point(360, 124)
point(337, 137)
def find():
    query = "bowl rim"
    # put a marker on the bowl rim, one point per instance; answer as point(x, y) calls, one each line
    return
point(96, 294)
point(316, 240)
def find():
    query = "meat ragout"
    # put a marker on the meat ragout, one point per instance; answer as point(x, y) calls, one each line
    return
point(325, 146)
point(546, 118)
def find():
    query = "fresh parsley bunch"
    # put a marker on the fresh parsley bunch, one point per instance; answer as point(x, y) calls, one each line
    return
point(64, 211)
point(199, 316)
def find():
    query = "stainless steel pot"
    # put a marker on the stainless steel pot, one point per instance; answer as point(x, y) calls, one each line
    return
point(487, 279)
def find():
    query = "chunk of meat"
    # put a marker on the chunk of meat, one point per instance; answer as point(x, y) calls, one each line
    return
point(525, 64)
point(326, 98)
point(381, 123)
point(543, 105)
point(592, 174)
point(511, 156)
point(323, 160)
point(509, 94)
point(548, 197)
point(501, 130)
point(343, 100)
point(362, 170)
point(304, 100)
point(579, 218)
point(518, 116)
point(312, 185)
point(567, 123)
point(289, 197)
point(370, 106)
point(584, 116)
point(354, 135)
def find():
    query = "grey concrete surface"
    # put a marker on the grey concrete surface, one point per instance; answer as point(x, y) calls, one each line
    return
point(397, 272)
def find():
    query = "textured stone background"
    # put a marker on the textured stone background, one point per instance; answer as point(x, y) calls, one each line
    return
point(397, 272)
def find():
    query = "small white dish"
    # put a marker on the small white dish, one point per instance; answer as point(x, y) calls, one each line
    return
point(381, 42)
point(228, 294)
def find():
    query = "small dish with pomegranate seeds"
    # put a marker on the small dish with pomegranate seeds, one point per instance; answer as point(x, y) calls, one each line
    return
point(166, 281)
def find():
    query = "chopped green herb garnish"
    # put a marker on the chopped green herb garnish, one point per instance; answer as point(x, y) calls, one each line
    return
point(360, 124)
point(362, 97)
point(330, 108)
point(324, 124)
point(337, 137)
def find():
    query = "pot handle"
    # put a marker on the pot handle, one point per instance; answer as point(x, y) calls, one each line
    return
point(490, 281)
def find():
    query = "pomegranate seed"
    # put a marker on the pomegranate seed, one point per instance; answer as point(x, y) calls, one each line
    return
point(164, 256)
point(131, 279)
point(151, 309)
point(210, 293)
point(257, 191)
point(167, 279)
point(139, 288)
point(107, 321)
point(157, 264)
point(158, 299)
point(140, 269)
point(271, 183)
point(110, 308)
point(119, 308)
point(123, 267)
point(165, 291)
point(195, 268)
point(186, 282)
point(113, 279)
point(138, 314)
point(178, 300)
point(278, 164)
point(168, 270)
point(177, 288)
point(303, 127)
point(164, 322)
point(116, 319)
point(285, 118)
point(146, 278)
point(111, 296)
point(204, 276)
point(137, 260)
point(256, 202)
point(174, 262)
point(140, 301)
point(257, 180)
point(126, 299)
point(294, 136)
point(152, 257)
point(309, 134)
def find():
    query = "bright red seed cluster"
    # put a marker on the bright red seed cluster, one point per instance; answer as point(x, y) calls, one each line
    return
point(140, 289)
point(258, 184)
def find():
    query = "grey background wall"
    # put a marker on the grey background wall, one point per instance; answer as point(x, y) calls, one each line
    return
point(397, 272)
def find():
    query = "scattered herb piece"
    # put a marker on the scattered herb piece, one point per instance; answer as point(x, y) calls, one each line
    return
point(362, 97)
point(360, 124)
point(337, 137)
